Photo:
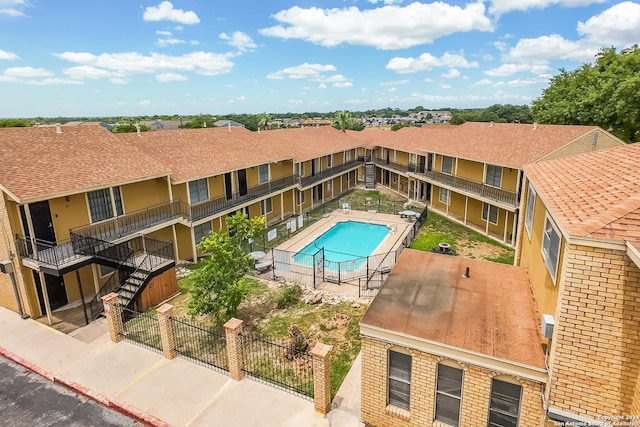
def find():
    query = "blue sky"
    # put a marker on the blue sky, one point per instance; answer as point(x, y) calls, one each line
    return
point(122, 57)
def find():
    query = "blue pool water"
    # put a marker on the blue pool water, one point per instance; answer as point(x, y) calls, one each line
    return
point(346, 241)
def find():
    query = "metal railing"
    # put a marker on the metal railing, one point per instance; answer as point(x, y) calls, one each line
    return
point(473, 187)
point(142, 329)
point(398, 167)
point(134, 222)
point(111, 285)
point(201, 345)
point(52, 253)
point(305, 181)
point(278, 363)
point(200, 210)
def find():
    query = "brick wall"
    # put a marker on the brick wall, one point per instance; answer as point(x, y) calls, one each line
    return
point(595, 355)
point(475, 394)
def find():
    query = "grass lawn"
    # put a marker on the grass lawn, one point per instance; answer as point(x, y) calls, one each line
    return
point(464, 241)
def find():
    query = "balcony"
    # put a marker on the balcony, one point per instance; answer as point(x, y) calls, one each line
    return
point(333, 171)
point(198, 211)
point(396, 167)
point(472, 188)
point(135, 222)
point(50, 257)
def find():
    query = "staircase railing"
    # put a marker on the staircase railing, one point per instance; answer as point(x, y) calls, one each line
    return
point(111, 285)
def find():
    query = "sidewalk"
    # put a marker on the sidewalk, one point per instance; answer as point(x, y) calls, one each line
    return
point(161, 392)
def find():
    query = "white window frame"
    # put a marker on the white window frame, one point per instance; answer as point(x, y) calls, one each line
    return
point(392, 378)
point(116, 204)
point(300, 169)
point(300, 198)
point(329, 185)
point(198, 230)
point(450, 172)
point(488, 208)
point(347, 156)
point(329, 160)
point(198, 183)
point(442, 192)
point(266, 206)
point(549, 230)
point(530, 210)
point(413, 159)
point(260, 173)
point(486, 175)
point(493, 409)
point(441, 391)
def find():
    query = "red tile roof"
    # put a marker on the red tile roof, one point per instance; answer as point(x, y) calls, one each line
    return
point(39, 163)
point(594, 194)
point(492, 312)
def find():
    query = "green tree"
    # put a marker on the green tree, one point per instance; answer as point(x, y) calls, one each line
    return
point(343, 120)
point(218, 288)
point(15, 123)
point(128, 125)
point(605, 93)
point(398, 126)
point(264, 121)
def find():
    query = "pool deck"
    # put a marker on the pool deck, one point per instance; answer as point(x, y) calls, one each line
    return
point(400, 227)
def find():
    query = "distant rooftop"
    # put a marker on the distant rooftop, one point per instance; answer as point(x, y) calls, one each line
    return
point(491, 313)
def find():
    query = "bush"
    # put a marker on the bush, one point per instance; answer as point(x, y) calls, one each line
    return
point(287, 296)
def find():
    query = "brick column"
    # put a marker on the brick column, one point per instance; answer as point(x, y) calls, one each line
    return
point(321, 378)
point(235, 355)
point(113, 313)
point(167, 333)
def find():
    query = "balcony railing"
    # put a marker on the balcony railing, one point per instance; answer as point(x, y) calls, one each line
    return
point(309, 180)
point(55, 254)
point(135, 222)
point(211, 207)
point(391, 165)
point(473, 187)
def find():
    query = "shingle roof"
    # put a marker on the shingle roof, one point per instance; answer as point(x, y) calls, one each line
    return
point(594, 194)
point(505, 144)
point(40, 163)
point(307, 143)
point(492, 312)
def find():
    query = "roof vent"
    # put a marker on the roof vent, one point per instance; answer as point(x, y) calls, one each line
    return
point(467, 273)
point(491, 124)
point(535, 126)
point(138, 129)
point(594, 143)
point(58, 128)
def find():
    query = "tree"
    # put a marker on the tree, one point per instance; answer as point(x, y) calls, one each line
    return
point(343, 120)
point(218, 288)
point(605, 93)
point(264, 121)
point(128, 125)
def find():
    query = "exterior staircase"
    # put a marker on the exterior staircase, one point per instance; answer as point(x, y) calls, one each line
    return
point(370, 176)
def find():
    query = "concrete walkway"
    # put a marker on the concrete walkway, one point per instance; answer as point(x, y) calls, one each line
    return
point(161, 392)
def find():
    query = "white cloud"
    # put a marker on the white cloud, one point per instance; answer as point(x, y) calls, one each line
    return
point(204, 63)
point(426, 62)
point(451, 74)
point(386, 1)
point(144, 102)
point(483, 82)
point(342, 84)
point(170, 77)
point(87, 72)
point(509, 69)
point(7, 55)
point(169, 42)
point(164, 33)
point(322, 86)
point(445, 86)
point(504, 6)
point(395, 83)
point(303, 71)
point(27, 72)
point(239, 40)
point(13, 8)
point(165, 12)
point(618, 25)
point(387, 27)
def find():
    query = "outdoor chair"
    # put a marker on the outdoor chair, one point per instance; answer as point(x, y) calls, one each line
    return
point(346, 208)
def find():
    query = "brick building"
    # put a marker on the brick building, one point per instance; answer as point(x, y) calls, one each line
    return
point(452, 342)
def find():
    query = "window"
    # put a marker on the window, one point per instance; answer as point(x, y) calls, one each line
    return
point(202, 230)
point(330, 160)
point(348, 177)
point(448, 394)
point(412, 159)
point(329, 185)
point(494, 176)
point(447, 165)
point(399, 379)
point(300, 197)
point(551, 247)
point(531, 205)
point(105, 270)
point(300, 169)
point(504, 406)
point(490, 212)
point(263, 173)
point(105, 203)
point(266, 206)
point(444, 196)
point(347, 156)
point(198, 191)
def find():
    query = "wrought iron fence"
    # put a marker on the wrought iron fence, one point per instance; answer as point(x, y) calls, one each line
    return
point(52, 253)
point(278, 363)
point(142, 329)
point(201, 345)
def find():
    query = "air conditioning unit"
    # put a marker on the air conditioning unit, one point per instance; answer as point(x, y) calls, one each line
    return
point(548, 322)
point(6, 267)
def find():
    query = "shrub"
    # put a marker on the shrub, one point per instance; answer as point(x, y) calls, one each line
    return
point(287, 296)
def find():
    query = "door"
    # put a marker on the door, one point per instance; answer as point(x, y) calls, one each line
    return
point(388, 154)
point(421, 164)
point(430, 162)
point(242, 182)
point(55, 290)
point(41, 220)
point(313, 167)
point(228, 188)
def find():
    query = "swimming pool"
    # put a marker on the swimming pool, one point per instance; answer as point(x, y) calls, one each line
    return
point(346, 241)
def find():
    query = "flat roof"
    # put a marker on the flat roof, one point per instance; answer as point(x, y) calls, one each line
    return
point(492, 312)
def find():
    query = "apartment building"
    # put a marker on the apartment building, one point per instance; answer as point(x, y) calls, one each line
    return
point(581, 247)
point(472, 173)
